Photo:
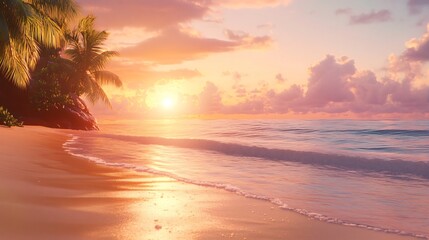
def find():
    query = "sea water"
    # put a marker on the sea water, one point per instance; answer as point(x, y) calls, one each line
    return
point(368, 174)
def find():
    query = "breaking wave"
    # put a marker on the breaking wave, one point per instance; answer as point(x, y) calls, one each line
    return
point(353, 163)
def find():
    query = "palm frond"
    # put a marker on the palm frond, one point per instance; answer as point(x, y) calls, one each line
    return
point(106, 77)
point(23, 25)
point(14, 14)
point(95, 41)
point(100, 60)
point(19, 58)
point(97, 93)
point(56, 9)
point(44, 30)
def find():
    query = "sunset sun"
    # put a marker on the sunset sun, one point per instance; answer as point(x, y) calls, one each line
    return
point(168, 102)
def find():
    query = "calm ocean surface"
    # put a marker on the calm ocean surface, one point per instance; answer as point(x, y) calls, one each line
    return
point(369, 174)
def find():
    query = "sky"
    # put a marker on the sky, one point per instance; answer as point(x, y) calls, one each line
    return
point(292, 58)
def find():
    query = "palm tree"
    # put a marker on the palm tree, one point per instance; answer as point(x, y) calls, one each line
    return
point(24, 24)
point(89, 58)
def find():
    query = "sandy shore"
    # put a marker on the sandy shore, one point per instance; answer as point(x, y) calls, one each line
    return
point(47, 194)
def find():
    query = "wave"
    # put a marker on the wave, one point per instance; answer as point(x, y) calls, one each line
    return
point(354, 163)
point(69, 147)
point(384, 132)
point(402, 132)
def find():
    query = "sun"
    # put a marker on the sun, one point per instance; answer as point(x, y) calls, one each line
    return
point(168, 102)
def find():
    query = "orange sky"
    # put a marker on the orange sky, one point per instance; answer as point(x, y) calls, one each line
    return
point(306, 58)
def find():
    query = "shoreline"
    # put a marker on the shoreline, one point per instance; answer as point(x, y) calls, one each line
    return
point(47, 193)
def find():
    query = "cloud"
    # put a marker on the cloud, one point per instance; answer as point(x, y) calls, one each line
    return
point(417, 49)
point(285, 101)
point(266, 26)
point(130, 106)
point(416, 6)
point(245, 40)
point(210, 100)
point(328, 81)
point(345, 11)
point(367, 89)
point(139, 75)
point(239, 90)
point(159, 32)
point(149, 14)
point(334, 86)
point(371, 17)
point(159, 14)
point(247, 107)
point(251, 3)
point(175, 45)
point(280, 79)
point(365, 18)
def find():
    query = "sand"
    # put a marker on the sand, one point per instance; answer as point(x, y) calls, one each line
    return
point(47, 194)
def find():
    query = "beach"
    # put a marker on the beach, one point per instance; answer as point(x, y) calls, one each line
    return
point(46, 193)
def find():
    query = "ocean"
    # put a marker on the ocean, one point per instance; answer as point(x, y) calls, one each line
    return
point(367, 174)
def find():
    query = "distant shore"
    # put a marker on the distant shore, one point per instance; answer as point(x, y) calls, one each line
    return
point(47, 194)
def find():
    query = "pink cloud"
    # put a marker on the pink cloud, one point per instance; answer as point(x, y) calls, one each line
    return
point(345, 11)
point(160, 14)
point(416, 6)
point(150, 14)
point(210, 100)
point(406, 98)
point(239, 88)
point(280, 79)
point(367, 89)
point(285, 101)
point(371, 17)
point(251, 3)
point(248, 41)
point(328, 82)
point(418, 48)
point(124, 106)
point(255, 106)
point(175, 45)
point(138, 75)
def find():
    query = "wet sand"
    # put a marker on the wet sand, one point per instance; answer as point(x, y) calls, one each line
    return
point(47, 194)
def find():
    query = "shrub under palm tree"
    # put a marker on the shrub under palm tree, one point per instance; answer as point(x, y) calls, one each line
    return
point(89, 58)
point(24, 24)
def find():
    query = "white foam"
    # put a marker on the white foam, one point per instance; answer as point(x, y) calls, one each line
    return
point(72, 150)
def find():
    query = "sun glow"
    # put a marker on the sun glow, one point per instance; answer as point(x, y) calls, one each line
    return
point(168, 102)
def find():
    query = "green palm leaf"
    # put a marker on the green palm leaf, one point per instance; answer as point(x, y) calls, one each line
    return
point(97, 93)
point(100, 60)
point(106, 77)
point(24, 24)
point(56, 8)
